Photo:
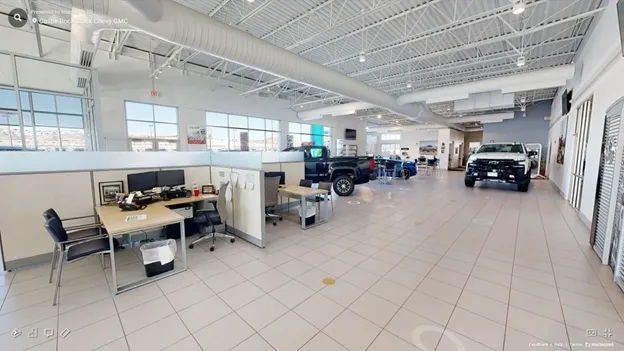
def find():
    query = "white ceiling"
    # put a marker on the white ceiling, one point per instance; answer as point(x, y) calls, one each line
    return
point(428, 43)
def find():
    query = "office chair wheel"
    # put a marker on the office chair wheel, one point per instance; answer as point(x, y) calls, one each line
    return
point(281, 218)
point(274, 224)
point(232, 240)
point(191, 246)
point(212, 248)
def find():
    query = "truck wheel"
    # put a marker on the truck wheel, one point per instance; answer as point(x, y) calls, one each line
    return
point(343, 185)
point(523, 187)
point(469, 182)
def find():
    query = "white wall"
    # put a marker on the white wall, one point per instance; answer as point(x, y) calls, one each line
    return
point(412, 140)
point(447, 136)
point(600, 68)
point(128, 79)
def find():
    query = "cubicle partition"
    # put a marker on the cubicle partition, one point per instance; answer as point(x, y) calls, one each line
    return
point(32, 182)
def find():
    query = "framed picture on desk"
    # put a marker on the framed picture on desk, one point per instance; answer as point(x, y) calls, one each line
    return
point(109, 191)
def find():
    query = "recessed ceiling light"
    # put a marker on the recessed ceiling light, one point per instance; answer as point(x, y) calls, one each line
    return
point(378, 116)
point(448, 108)
point(301, 106)
point(362, 57)
point(409, 83)
point(519, 7)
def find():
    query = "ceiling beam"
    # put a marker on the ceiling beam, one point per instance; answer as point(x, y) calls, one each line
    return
point(219, 7)
point(463, 63)
point(255, 12)
point(479, 43)
point(372, 25)
point(340, 24)
point(296, 19)
point(409, 39)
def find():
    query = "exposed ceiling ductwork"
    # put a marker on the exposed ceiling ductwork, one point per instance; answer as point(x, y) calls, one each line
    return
point(178, 24)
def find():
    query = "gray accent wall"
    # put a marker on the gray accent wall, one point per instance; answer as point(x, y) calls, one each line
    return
point(530, 129)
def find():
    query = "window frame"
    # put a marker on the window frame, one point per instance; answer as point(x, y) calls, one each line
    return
point(229, 129)
point(326, 138)
point(28, 112)
point(155, 140)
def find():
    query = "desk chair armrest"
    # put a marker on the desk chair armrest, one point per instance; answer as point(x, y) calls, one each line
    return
point(77, 228)
point(70, 243)
point(75, 218)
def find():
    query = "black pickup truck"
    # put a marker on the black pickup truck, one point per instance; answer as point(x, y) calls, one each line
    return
point(343, 172)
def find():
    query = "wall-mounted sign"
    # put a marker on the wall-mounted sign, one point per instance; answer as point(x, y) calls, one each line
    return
point(196, 135)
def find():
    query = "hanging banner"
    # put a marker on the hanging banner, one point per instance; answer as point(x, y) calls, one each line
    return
point(196, 135)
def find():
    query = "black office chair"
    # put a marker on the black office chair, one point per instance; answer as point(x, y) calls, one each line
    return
point(212, 218)
point(305, 182)
point(75, 233)
point(271, 198)
point(325, 186)
point(389, 171)
point(72, 250)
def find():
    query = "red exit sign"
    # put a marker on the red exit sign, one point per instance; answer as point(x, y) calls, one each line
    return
point(153, 93)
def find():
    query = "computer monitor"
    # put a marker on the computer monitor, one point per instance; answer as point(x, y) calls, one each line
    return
point(141, 181)
point(171, 178)
point(282, 176)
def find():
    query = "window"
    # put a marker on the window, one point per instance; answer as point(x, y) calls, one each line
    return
point(152, 127)
point(241, 133)
point(393, 149)
point(386, 137)
point(50, 122)
point(309, 134)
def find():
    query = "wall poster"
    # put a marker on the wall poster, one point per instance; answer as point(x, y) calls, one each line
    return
point(562, 140)
point(196, 135)
point(428, 148)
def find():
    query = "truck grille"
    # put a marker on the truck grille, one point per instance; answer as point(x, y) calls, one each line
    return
point(495, 165)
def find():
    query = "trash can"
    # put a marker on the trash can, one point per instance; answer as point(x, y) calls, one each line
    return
point(310, 213)
point(158, 256)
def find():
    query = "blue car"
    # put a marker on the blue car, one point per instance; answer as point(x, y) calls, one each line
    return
point(402, 169)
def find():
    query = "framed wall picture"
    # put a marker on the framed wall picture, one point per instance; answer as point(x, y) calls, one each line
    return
point(208, 189)
point(109, 191)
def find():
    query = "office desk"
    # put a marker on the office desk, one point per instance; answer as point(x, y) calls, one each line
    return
point(158, 215)
point(302, 193)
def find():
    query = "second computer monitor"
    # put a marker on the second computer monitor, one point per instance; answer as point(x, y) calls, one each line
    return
point(171, 178)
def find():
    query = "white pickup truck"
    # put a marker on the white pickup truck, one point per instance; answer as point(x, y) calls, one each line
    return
point(500, 162)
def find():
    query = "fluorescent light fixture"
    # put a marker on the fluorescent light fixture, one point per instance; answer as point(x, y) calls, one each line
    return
point(522, 108)
point(492, 121)
point(523, 99)
point(348, 112)
point(362, 57)
point(448, 108)
point(518, 7)
point(155, 77)
point(250, 0)
point(409, 83)
point(521, 61)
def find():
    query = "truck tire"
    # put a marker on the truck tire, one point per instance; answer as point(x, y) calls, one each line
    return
point(343, 185)
point(469, 182)
point(523, 186)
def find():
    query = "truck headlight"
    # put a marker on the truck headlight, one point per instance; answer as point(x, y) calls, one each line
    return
point(472, 161)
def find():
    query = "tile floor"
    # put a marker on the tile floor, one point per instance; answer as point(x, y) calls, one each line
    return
point(425, 264)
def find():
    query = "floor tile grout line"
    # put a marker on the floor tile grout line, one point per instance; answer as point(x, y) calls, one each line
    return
point(549, 255)
point(7, 292)
point(178, 315)
point(112, 295)
point(587, 259)
point(425, 276)
point(469, 275)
